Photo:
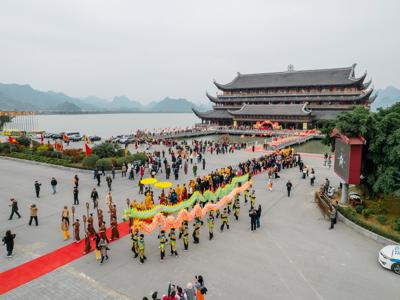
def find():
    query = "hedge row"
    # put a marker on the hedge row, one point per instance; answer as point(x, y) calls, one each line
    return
point(350, 214)
point(44, 159)
point(89, 162)
point(93, 160)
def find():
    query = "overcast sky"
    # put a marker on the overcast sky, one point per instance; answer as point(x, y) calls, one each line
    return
point(150, 49)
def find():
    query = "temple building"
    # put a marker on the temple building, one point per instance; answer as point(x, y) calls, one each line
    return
point(294, 99)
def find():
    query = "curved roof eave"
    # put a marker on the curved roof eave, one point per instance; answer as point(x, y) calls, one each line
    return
point(366, 94)
point(372, 98)
point(367, 84)
point(359, 80)
point(197, 113)
point(212, 98)
point(226, 86)
point(234, 112)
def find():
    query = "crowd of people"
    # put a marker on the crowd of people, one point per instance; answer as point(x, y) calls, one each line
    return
point(196, 291)
point(176, 159)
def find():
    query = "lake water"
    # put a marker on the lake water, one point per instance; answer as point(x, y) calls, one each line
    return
point(105, 125)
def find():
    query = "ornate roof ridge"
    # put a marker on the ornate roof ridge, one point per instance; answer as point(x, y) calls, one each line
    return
point(294, 71)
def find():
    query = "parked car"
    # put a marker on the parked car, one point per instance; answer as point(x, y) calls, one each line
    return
point(123, 140)
point(389, 258)
point(75, 138)
point(355, 199)
point(94, 138)
point(69, 134)
point(56, 136)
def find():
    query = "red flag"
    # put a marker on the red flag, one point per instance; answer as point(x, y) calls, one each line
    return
point(88, 149)
point(12, 140)
point(58, 147)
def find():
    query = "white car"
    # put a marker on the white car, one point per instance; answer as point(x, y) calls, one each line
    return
point(389, 258)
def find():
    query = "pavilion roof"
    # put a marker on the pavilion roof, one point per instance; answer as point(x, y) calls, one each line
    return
point(355, 140)
point(213, 114)
point(304, 78)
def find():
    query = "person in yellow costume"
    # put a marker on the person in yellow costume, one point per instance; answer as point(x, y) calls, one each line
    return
point(163, 240)
point(252, 200)
point(141, 248)
point(65, 229)
point(236, 207)
point(211, 227)
point(246, 194)
point(148, 201)
point(178, 191)
point(185, 235)
point(196, 233)
point(224, 218)
point(172, 241)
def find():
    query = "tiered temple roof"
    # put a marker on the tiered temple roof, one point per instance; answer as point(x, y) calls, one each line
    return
point(306, 78)
point(308, 94)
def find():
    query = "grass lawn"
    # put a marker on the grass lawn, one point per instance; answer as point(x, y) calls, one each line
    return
point(378, 215)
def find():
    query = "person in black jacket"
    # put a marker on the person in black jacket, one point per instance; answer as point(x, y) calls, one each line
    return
point(53, 184)
point(289, 187)
point(14, 209)
point(253, 217)
point(37, 188)
point(258, 215)
point(76, 193)
point(8, 240)
point(95, 196)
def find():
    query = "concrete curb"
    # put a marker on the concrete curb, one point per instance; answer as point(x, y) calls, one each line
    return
point(366, 232)
point(32, 162)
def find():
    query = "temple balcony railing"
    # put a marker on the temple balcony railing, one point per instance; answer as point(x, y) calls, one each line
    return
point(291, 98)
point(281, 94)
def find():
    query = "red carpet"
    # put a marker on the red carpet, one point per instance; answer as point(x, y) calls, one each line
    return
point(46, 263)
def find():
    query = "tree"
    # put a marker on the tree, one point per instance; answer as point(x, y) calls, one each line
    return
point(381, 154)
point(105, 150)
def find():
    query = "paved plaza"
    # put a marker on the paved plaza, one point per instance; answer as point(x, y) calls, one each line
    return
point(292, 256)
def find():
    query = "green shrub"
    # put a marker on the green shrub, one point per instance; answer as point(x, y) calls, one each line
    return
point(354, 218)
point(359, 208)
point(104, 162)
point(396, 224)
point(105, 150)
point(120, 160)
point(138, 156)
point(366, 213)
point(121, 152)
point(24, 141)
point(382, 219)
point(90, 161)
point(42, 148)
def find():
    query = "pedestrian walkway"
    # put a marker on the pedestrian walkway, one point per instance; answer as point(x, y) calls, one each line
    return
point(49, 262)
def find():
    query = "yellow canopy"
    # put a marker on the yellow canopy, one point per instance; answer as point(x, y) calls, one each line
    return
point(149, 180)
point(163, 184)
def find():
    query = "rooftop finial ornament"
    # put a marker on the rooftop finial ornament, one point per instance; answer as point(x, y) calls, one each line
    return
point(290, 68)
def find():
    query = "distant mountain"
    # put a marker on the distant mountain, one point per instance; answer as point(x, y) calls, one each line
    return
point(66, 107)
point(386, 97)
point(9, 104)
point(24, 97)
point(123, 102)
point(172, 105)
